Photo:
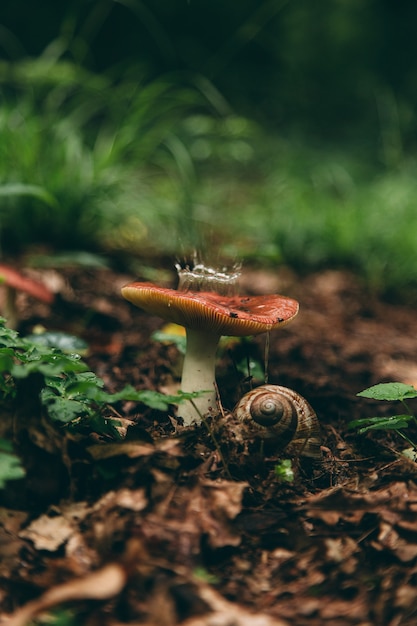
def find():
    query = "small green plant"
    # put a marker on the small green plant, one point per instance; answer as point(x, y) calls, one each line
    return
point(72, 396)
point(284, 471)
point(391, 392)
point(10, 465)
point(70, 389)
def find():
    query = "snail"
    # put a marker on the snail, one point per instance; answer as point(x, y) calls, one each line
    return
point(282, 419)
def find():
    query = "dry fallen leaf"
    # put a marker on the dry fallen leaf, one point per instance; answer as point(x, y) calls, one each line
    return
point(390, 540)
point(225, 613)
point(134, 500)
point(10, 542)
point(212, 506)
point(50, 531)
point(135, 449)
point(100, 585)
point(341, 550)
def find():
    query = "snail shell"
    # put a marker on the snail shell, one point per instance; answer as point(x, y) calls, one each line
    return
point(282, 417)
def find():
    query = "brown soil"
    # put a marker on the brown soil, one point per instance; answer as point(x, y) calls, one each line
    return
point(193, 528)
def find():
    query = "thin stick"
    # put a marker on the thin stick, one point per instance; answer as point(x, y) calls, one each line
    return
point(266, 358)
point(250, 377)
point(213, 437)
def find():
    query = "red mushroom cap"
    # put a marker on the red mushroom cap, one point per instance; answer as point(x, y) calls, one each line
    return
point(14, 279)
point(237, 316)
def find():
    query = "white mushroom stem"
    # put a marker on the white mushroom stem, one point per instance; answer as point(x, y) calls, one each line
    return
point(198, 375)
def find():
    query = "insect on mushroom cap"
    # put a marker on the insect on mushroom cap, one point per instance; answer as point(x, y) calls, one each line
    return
point(237, 316)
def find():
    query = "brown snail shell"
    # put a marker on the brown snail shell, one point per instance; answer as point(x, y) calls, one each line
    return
point(281, 417)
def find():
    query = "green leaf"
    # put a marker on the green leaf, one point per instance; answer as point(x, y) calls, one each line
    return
point(179, 341)
point(284, 471)
point(20, 189)
point(65, 342)
point(85, 384)
point(152, 399)
point(51, 363)
point(10, 464)
point(389, 391)
point(62, 409)
point(6, 359)
point(104, 425)
point(156, 400)
point(9, 337)
point(394, 422)
point(203, 574)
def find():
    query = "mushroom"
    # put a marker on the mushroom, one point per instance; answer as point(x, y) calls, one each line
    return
point(206, 316)
point(14, 282)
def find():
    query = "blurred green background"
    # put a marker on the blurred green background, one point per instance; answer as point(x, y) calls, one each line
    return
point(276, 131)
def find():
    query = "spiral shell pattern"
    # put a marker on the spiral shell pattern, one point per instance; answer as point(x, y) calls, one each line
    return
point(282, 417)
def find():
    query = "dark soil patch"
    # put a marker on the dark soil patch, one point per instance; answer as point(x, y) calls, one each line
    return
point(192, 527)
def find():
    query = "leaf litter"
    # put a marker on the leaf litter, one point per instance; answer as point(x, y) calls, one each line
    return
point(170, 526)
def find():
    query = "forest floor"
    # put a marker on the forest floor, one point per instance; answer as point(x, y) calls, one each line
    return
point(179, 526)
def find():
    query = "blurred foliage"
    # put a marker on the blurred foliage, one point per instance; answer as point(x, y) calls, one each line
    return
point(326, 69)
point(10, 465)
point(279, 131)
point(71, 141)
point(81, 155)
point(319, 209)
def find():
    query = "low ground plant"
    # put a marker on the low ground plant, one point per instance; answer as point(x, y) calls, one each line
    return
point(392, 392)
point(72, 397)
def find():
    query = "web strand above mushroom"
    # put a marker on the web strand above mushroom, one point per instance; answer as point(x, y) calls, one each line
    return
point(207, 316)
